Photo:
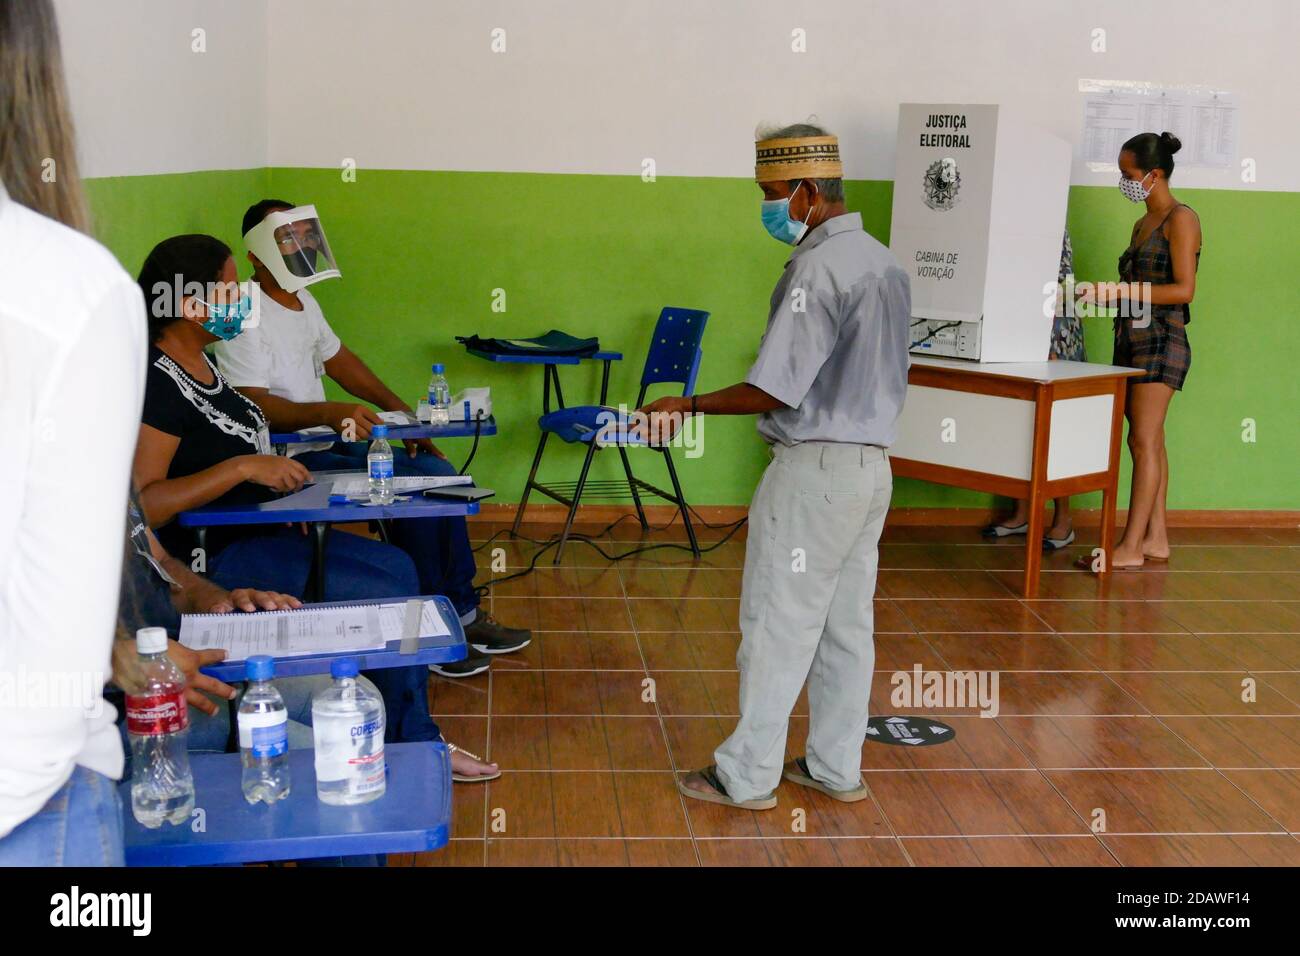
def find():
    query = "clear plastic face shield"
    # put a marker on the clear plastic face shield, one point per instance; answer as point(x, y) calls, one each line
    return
point(291, 244)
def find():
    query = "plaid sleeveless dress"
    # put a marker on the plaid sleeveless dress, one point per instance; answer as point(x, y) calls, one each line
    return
point(1159, 345)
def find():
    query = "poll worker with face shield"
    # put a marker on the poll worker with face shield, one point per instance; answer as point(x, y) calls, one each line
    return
point(201, 442)
point(828, 386)
point(281, 366)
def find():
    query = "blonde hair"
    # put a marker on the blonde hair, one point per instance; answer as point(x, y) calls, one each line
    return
point(38, 162)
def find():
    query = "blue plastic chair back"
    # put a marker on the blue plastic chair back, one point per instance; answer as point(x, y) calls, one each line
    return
point(675, 351)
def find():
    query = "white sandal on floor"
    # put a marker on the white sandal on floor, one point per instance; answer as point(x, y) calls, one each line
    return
point(1004, 531)
point(1056, 544)
point(462, 778)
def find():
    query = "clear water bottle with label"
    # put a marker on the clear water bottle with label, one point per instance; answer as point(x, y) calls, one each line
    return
point(263, 735)
point(347, 720)
point(158, 725)
point(439, 397)
point(379, 466)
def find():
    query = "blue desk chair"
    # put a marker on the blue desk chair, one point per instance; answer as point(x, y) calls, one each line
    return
point(674, 357)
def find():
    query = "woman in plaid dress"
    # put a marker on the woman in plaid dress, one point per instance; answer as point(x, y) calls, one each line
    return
point(1158, 273)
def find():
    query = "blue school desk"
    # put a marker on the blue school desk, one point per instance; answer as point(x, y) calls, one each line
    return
point(430, 650)
point(461, 429)
point(312, 506)
point(413, 815)
point(550, 371)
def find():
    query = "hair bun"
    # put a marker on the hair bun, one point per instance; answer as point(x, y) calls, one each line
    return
point(1171, 142)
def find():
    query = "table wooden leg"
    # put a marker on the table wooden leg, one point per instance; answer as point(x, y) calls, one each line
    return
point(1110, 493)
point(1037, 481)
point(1034, 540)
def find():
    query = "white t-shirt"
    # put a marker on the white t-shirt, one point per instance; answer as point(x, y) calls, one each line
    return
point(72, 360)
point(285, 354)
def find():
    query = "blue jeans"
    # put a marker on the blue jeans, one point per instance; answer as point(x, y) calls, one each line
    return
point(439, 546)
point(81, 825)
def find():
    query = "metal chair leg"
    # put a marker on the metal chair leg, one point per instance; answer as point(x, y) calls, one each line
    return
point(681, 503)
point(577, 498)
point(528, 485)
point(631, 484)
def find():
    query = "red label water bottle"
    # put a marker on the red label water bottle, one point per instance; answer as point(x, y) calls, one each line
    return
point(158, 722)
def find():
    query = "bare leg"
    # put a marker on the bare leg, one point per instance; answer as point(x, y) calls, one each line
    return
point(1019, 516)
point(1147, 405)
point(1061, 518)
point(1156, 543)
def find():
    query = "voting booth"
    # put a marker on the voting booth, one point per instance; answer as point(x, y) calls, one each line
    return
point(978, 216)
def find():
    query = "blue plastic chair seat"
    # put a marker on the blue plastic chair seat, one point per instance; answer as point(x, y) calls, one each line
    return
point(673, 358)
point(582, 423)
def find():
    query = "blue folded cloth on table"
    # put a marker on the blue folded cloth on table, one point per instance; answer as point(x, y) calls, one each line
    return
point(553, 342)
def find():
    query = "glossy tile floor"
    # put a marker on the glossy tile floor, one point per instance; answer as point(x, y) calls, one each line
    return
point(1151, 721)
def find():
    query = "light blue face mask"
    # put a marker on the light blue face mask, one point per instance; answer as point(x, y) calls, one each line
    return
point(777, 221)
point(226, 319)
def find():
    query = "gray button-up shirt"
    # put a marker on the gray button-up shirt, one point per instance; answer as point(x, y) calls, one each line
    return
point(835, 349)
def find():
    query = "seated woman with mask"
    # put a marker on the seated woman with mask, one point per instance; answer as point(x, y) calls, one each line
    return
point(202, 442)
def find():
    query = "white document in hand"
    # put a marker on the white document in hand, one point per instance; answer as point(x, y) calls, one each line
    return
point(306, 630)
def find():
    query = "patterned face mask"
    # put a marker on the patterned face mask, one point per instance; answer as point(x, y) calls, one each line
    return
point(228, 319)
point(1133, 189)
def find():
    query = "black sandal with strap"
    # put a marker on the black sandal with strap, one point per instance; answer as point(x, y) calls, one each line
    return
point(720, 796)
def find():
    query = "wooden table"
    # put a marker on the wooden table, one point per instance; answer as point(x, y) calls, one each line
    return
point(1033, 430)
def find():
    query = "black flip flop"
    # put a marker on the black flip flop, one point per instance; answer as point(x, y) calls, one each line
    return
point(710, 776)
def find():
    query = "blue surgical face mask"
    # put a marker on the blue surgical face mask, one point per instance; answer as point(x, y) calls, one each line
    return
point(777, 221)
point(226, 319)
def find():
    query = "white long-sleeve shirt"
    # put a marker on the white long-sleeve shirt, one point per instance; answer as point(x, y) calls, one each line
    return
point(72, 355)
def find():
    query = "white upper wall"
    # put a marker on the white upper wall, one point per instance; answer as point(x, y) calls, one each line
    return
point(144, 102)
point(592, 86)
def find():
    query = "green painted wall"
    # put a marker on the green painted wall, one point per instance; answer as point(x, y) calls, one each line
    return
point(422, 252)
point(132, 214)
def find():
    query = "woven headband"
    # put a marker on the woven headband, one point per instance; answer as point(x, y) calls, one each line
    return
point(806, 157)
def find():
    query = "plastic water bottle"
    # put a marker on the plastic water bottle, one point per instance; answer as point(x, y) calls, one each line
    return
point(347, 720)
point(263, 735)
point(158, 724)
point(439, 397)
point(379, 466)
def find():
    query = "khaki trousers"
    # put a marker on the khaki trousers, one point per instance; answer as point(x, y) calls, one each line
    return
point(806, 614)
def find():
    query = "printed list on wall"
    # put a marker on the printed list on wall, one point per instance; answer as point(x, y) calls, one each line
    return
point(1205, 120)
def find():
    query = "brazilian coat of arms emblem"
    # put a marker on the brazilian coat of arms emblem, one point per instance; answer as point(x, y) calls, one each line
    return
point(942, 183)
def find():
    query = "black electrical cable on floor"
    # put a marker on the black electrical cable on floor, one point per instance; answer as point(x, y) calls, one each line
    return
point(591, 541)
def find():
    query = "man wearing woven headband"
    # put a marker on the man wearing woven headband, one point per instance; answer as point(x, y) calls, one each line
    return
point(828, 386)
